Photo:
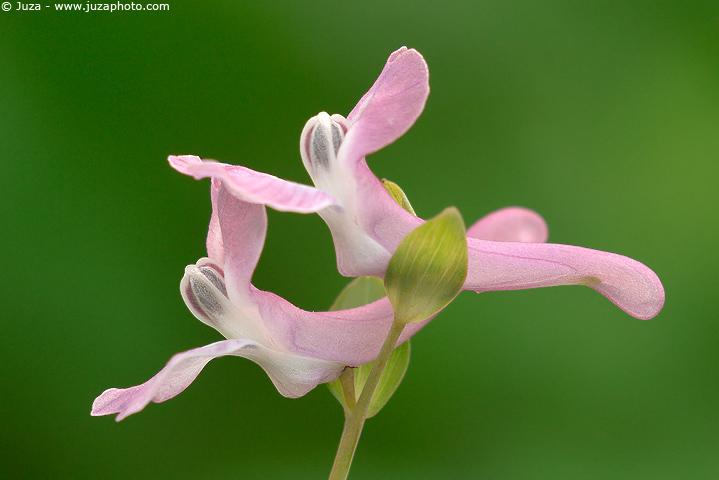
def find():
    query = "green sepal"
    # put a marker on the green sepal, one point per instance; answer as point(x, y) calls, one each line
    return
point(428, 269)
point(360, 291)
point(398, 195)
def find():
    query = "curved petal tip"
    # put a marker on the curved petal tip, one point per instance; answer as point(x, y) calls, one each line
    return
point(391, 105)
point(185, 164)
point(629, 284)
point(641, 295)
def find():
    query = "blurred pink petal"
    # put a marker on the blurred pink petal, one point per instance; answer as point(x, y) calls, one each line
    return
point(511, 224)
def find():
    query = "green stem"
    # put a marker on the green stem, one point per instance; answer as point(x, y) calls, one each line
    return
point(347, 381)
point(355, 417)
point(348, 444)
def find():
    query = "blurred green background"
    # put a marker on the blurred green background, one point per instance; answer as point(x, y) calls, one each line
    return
point(602, 116)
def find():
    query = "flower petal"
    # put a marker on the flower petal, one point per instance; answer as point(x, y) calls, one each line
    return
point(351, 337)
point(390, 107)
point(511, 224)
point(629, 284)
point(370, 226)
point(292, 375)
point(215, 248)
point(255, 187)
point(243, 227)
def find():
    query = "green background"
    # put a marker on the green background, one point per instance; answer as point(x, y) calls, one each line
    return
point(602, 116)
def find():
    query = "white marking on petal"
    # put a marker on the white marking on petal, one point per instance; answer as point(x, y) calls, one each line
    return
point(203, 289)
point(320, 145)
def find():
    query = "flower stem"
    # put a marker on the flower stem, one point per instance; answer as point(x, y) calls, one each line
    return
point(355, 417)
point(346, 449)
point(347, 380)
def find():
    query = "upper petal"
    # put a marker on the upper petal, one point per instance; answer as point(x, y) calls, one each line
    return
point(255, 187)
point(390, 107)
point(243, 227)
point(217, 289)
point(629, 284)
point(511, 224)
point(292, 375)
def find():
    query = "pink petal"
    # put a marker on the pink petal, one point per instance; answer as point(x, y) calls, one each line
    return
point(215, 248)
point(629, 284)
point(511, 224)
point(390, 107)
point(255, 187)
point(293, 376)
point(243, 227)
point(350, 337)
point(379, 215)
point(366, 233)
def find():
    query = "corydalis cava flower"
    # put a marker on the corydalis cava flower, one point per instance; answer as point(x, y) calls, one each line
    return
point(300, 349)
point(367, 225)
point(296, 348)
point(217, 290)
point(370, 225)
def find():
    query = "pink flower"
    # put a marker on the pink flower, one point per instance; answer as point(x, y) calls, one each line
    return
point(296, 348)
point(300, 349)
point(367, 224)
